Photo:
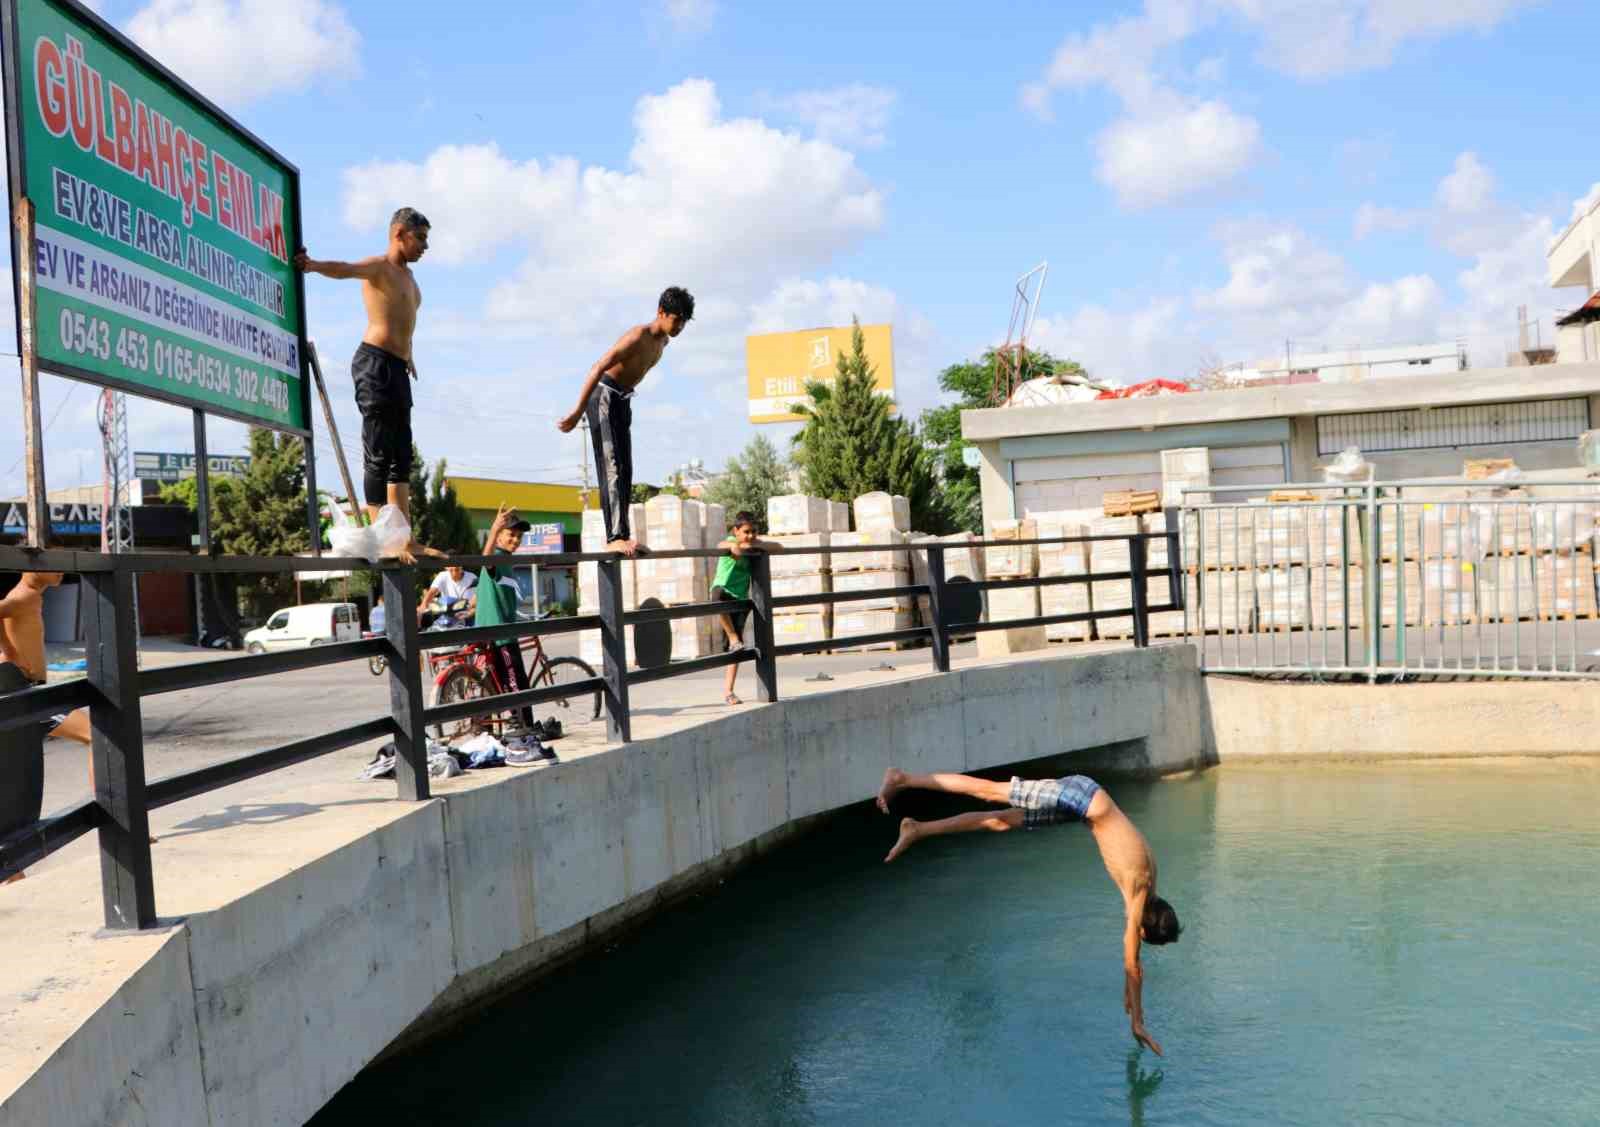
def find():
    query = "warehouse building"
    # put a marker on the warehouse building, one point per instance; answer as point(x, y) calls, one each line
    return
point(1067, 455)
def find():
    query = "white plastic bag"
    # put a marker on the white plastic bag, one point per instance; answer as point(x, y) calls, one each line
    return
point(346, 538)
point(1348, 466)
point(391, 534)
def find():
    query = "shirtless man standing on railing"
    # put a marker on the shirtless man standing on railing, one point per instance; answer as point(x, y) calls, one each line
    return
point(22, 666)
point(383, 367)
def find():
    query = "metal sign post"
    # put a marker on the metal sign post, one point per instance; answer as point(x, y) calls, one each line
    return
point(38, 514)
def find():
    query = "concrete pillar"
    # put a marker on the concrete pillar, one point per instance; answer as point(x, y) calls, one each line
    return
point(1303, 456)
point(994, 479)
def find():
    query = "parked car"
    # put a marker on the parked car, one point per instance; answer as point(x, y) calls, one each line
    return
point(316, 624)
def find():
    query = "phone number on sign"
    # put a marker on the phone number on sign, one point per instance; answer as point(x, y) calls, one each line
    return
point(90, 336)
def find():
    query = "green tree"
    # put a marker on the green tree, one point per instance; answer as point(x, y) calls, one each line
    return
point(642, 493)
point(851, 444)
point(187, 492)
point(438, 519)
point(263, 513)
point(972, 384)
point(753, 475)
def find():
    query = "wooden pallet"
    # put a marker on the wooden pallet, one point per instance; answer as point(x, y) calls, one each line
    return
point(1291, 495)
point(1130, 502)
point(1478, 469)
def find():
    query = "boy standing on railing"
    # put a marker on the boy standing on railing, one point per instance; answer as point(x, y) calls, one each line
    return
point(732, 582)
point(498, 596)
point(22, 666)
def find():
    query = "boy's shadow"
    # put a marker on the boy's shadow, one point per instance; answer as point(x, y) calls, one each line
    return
point(1141, 1086)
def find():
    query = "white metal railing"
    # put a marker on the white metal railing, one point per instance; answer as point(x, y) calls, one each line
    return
point(1396, 579)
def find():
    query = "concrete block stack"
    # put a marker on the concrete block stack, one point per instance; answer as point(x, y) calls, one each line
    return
point(1449, 591)
point(671, 524)
point(1283, 598)
point(1229, 537)
point(1188, 468)
point(1110, 556)
point(882, 521)
point(1221, 602)
point(1064, 559)
point(594, 540)
point(1167, 623)
point(1012, 560)
point(804, 526)
point(1391, 611)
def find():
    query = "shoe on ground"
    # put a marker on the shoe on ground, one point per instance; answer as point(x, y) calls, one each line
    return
point(529, 757)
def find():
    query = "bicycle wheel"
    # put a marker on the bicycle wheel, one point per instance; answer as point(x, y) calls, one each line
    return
point(462, 683)
point(573, 710)
point(377, 663)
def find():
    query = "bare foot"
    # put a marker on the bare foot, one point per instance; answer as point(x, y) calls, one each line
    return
point(629, 548)
point(416, 548)
point(908, 834)
point(731, 699)
point(893, 780)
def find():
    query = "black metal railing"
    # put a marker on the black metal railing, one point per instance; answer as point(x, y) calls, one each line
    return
point(115, 687)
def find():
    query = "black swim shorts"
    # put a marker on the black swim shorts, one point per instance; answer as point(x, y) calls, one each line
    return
point(383, 395)
point(21, 760)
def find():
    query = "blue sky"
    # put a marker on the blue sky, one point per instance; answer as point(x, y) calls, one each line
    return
point(1206, 178)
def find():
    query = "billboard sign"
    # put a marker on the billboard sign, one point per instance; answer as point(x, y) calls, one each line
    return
point(779, 365)
point(542, 540)
point(175, 467)
point(65, 519)
point(164, 231)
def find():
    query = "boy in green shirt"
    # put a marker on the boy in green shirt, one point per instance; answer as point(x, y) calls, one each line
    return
point(497, 604)
point(733, 582)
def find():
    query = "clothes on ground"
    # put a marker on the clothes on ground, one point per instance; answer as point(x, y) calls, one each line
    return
point(1049, 802)
point(610, 415)
point(483, 750)
point(383, 396)
point(21, 760)
point(721, 594)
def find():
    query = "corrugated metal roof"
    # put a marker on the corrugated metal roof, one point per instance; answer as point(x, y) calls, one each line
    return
point(1588, 311)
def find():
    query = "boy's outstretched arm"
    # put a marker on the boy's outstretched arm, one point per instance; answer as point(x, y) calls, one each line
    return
point(613, 356)
point(367, 269)
point(1133, 975)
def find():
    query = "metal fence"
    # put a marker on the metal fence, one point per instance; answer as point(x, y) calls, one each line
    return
point(115, 686)
point(1389, 580)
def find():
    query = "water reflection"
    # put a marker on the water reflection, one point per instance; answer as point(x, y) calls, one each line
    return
point(1142, 1086)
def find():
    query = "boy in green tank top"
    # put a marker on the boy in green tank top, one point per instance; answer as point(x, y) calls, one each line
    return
point(733, 582)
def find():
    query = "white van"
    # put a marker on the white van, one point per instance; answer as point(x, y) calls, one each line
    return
point(317, 624)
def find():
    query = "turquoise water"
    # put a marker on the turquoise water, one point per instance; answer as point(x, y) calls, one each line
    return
point(1406, 944)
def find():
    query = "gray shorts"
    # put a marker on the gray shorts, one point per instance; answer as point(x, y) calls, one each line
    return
point(1049, 802)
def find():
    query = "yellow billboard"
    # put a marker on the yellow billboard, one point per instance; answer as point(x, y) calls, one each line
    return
point(779, 365)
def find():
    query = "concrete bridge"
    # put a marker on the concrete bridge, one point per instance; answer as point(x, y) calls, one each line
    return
point(332, 925)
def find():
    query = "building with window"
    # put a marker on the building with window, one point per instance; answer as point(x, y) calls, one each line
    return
point(1574, 260)
point(1065, 456)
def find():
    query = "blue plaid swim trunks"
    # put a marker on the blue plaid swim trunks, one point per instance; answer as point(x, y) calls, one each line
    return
point(1049, 802)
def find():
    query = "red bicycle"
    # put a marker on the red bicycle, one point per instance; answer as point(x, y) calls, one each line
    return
point(470, 674)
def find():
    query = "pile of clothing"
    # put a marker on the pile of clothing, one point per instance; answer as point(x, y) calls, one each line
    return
point(477, 752)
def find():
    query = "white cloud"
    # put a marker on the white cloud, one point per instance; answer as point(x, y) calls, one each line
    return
point(1156, 340)
point(1166, 145)
point(728, 205)
point(1374, 219)
point(1468, 188)
point(1274, 268)
point(1321, 38)
point(689, 17)
point(855, 115)
point(1585, 203)
point(237, 51)
point(1162, 157)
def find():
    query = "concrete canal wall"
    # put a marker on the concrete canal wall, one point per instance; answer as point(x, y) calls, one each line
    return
point(257, 1012)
